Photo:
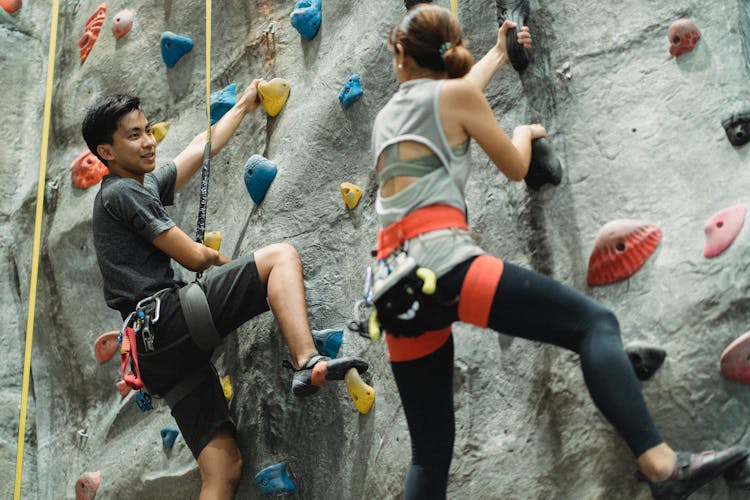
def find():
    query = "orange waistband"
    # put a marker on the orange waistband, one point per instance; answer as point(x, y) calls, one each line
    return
point(423, 220)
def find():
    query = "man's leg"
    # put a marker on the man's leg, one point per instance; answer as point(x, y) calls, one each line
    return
point(220, 464)
point(280, 271)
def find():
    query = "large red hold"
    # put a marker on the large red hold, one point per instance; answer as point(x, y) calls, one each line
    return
point(621, 248)
point(87, 170)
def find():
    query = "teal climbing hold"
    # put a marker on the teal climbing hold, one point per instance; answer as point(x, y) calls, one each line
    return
point(169, 434)
point(222, 101)
point(274, 480)
point(351, 92)
point(173, 47)
point(259, 174)
point(306, 17)
point(328, 342)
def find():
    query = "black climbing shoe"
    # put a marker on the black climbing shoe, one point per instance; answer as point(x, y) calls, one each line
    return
point(646, 359)
point(691, 471)
point(318, 370)
point(738, 475)
point(545, 167)
point(516, 11)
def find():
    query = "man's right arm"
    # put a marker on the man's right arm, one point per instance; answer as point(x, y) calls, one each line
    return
point(190, 254)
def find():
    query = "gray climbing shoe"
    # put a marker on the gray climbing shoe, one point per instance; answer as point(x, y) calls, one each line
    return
point(318, 370)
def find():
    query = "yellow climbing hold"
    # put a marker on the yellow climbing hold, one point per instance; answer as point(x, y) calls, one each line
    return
point(362, 394)
point(212, 239)
point(351, 194)
point(226, 386)
point(273, 95)
point(160, 130)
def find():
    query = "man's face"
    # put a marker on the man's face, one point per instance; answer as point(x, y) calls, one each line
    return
point(133, 149)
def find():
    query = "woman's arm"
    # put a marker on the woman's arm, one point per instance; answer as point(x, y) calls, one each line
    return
point(481, 73)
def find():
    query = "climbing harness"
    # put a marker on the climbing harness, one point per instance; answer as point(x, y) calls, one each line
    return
point(36, 248)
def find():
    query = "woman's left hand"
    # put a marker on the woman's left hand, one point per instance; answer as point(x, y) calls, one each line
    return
point(523, 36)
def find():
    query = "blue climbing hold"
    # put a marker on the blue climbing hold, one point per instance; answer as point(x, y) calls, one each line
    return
point(274, 480)
point(259, 174)
point(168, 436)
point(222, 101)
point(328, 342)
point(306, 17)
point(173, 47)
point(351, 92)
point(144, 402)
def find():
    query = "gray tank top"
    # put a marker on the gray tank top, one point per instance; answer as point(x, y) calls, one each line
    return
point(412, 115)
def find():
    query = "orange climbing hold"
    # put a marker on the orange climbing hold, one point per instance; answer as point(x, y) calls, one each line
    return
point(621, 248)
point(87, 170)
point(10, 6)
point(87, 485)
point(91, 33)
point(122, 23)
point(106, 346)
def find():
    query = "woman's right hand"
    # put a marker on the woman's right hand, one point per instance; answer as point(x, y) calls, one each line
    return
point(523, 37)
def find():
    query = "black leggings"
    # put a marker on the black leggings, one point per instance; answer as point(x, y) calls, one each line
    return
point(529, 305)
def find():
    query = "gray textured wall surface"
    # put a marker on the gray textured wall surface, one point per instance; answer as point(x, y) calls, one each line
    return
point(640, 137)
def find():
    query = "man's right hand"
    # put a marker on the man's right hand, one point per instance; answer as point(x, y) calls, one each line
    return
point(249, 99)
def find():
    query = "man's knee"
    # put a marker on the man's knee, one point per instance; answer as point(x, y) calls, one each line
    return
point(277, 253)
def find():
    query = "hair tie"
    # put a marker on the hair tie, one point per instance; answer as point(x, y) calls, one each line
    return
point(444, 48)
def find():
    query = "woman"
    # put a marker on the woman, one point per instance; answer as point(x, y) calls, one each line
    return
point(420, 144)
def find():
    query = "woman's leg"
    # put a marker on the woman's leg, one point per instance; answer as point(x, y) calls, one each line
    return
point(426, 389)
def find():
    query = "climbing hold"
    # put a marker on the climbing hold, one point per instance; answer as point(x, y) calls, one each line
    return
point(87, 170)
point(306, 17)
point(106, 346)
point(737, 128)
point(645, 358)
point(735, 360)
point(123, 388)
point(259, 174)
point(518, 12)
point(683, 35)
point(87, 485)
point(122, 23)
point(328, 342)
point(411, 3)
point(274, 480)
point(160, 130)
point(362, 394)
point(351, 194)
point(545, 166)
point(351, 92)
point(222, 101)
point(621, 247)
point(173, 47)
point(273, 95)
point(10, 6)
point(169, 434)
point(226, 386)
point(212, 239)
point(722, 229)
point(91, 32)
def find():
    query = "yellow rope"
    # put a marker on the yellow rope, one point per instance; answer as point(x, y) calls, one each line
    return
point(454, 7)
point(35, 251)
point(208, 69)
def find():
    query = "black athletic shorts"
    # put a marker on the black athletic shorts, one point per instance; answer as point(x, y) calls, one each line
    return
point(235, 294)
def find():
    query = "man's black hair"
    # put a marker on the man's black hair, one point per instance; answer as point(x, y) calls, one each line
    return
point(103, 118)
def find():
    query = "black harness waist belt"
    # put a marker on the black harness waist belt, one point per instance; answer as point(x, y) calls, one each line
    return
point(198, 317)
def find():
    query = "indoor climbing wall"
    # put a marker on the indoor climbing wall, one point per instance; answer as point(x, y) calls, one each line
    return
point(646, 104)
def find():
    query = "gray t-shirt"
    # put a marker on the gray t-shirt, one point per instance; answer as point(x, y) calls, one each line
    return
point(127, 217)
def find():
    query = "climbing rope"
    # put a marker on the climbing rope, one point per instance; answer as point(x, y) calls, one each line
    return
point(36, 248)
point(454, 7)
point(205, 171)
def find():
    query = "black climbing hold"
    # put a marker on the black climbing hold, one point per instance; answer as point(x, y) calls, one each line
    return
point(545, 166)
point(518, 12)
point(737, 127)
point(411, 3)
point(646, 359)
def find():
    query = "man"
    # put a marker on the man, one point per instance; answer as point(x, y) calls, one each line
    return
point(135, 239)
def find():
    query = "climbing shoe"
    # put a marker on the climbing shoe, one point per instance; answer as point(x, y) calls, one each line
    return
point(693, 470)
point(319, 370)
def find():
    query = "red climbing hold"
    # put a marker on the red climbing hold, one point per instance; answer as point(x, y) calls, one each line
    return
point(722, 229)
point(122, 23)
point(87, 485)
point(621, 247)
point(87, 170)
point(735, 360)
point(10, 6)
point(91, 33)
point(106, 346)
point(683, 36)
